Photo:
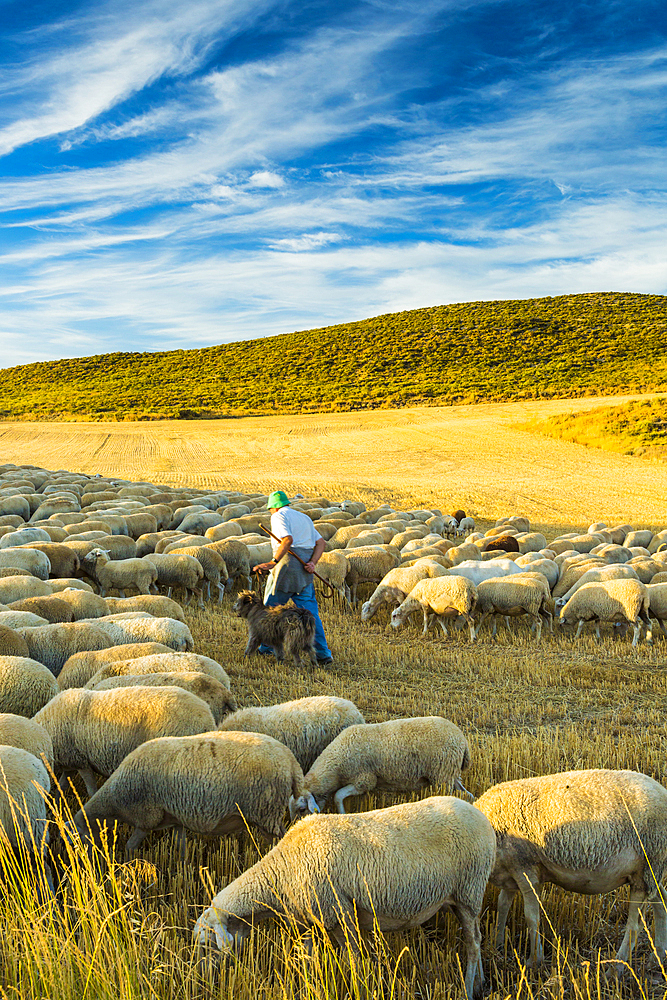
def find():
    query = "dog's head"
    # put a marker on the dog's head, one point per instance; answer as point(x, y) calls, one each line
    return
point(245, 601)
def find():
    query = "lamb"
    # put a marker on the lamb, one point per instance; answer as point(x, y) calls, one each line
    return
point(288, 629)
point(402, 755)
point(52, 645)
point(25, 685)
point(141, 627)
point(396, 867)
point(397, 584)
point(610, 601)
point(154, 604)
point(95, 730)
point(586, 831)
point(158, 663)
point(439, 598)
point(37, 563)
point(367, 566)
point(306, 726)
point(24, 782)
point(521, 594)
point(212, 691)
point(176, 571)
point(465, 526)
point(18, 731)
point(119, 574)
point(169, 782)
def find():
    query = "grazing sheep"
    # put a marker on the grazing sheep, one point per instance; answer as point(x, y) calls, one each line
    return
point(502, 543)
point(397, 584)
point(465, 526)
point(64, 562)
point(23, 535)
point(394, 867)
point(214, 784)
point(146, 543)
point(20, 588)
point(585, 831)
point(288, 629)
point(23, 783)
point(220, 531)
point(25, 684)
point(95, 730)
point(306, 725)
point(368, 566)
point(141, 627)
point(216, 695)
point(512, 596)
point(334, 567)
point(610, 601)
point(20, 619)
point(157, 663)
point(12, 643)
point(597, 574)
point(119, 574)
point(438, 599)
point(50, 609)
point(154, 604)
point(169, 545)
point(52, 645)
point(82, 603)
point(657, 599)
point(402, 755)
point(19, 731)
point(237, 560)
point(465, 553)
point(215, 569)
point(476, 572)
point(37, 563)
point(177, 571)
point(80, 667)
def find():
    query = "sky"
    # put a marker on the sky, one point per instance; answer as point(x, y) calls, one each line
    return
point(175, 175)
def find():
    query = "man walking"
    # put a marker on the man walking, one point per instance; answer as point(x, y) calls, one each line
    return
point(288, 579)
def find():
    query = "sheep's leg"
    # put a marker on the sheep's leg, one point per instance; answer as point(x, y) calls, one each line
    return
point(530, 890)
point(579, 628)
point(504, 903)
point(548, 620)
point(221, 593)
point(344, 793)
point(347, 594)
point(471, 625)
point(538, 627)
point(637, 898)
point(168, 591)
point(458, 786)
point(638, 631)
point(443, 627)
point(89, 780)
point(482, 619)
point(661, 623)
point(134, 841)
point(597, 631)
point(474, 975)
point(643, 616)
point(494, 627)
point(427, 620)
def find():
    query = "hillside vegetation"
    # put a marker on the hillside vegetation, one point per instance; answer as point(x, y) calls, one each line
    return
point(635, 428)
point(571, 345)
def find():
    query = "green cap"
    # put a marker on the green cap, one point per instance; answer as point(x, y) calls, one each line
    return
point(278, 499)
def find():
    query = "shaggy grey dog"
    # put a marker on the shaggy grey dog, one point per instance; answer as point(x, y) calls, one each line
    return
point(290, 630)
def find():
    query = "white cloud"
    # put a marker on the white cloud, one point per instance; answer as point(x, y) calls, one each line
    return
point(265, 179)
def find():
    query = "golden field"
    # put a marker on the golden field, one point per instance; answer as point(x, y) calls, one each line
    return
point(473, 457)
point(527, 708)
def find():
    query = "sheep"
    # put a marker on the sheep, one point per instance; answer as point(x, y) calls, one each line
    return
point(21, 619)
point(397, 584)
point(53, 644)
point(82, 603)
point(25, 685)
point(334, 567)
point(214, 784)
point(502, 543)
point(220, 531)
point(467, 552)
point(12, 643)
point(141, 627)
point(22, 535)
point(643, 538)
point(585, 831)
point(402, 755)
point(610, 601)
point(37, 563)
point(19, 588)
point(80, 667)
point(19, 731)
point(521, 594)
point(216, 695)
point(534, 562)
point(24, 783)
point(175, 571)
point(645, 568)
point(465, 526)
point(95, 730)
point(63, 561)
point(50, 609)
point(179, 541)
point(597, 575)
point(394, 867)
point(213, 564)
point(367, 566)
point(154, 604)
point(439, 598)
point(119, 574)
point(146, 543)
point(288, 629)
point(657, 597)
point(306, 726)
point(158, 663)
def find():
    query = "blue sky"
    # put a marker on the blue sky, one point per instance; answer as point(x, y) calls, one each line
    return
point(174, 174)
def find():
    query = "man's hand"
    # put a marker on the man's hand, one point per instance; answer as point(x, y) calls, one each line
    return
point(309, 567)
point(263, 568)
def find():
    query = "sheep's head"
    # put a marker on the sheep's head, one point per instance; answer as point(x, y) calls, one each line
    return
point(366, 611)
point(97, 555)
point(305, 805)
point(215, 927)
point(398, 616)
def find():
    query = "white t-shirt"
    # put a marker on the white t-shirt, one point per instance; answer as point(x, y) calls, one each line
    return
point(297, 524)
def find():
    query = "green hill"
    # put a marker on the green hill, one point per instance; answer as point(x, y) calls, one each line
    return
point(635, 428)
point(571, 345)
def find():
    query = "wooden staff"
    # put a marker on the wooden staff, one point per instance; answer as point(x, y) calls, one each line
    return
point(314, 573)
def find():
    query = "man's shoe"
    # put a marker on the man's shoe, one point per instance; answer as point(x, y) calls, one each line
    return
point(326, 662)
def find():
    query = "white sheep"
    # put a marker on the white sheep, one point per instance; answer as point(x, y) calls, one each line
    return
point(37, 563)
point(22, 535)
point(520, 594)
point(597, 574)
point(401, 755)
point(178, 571)
point(394, 867)
point(20, 588)
point(95, 730)
point(397, 584)
point(154, 604)
point(25, 685)
point(657, 597)
point(160, 662)
point(216, 695)
point(586, 831)
point(368, 565)
point(18, 731)
point(119, 574)
point(306, 725)
point(53, 644)
point(478, 571)
point(465, 526)
point(215, 784)
point(24, 782)
point(448, 597)
point(168, 631)
point(610, 601)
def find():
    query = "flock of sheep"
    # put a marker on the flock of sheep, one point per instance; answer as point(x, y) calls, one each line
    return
point(111, 686)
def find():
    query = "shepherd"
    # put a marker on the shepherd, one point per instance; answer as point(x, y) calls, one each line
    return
point(291, 578)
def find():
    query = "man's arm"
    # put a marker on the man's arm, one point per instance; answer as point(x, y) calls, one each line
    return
point(280, 552)
point(320, 546)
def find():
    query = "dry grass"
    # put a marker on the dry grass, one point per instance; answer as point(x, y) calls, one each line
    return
point(449, 457)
